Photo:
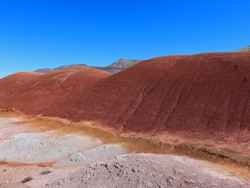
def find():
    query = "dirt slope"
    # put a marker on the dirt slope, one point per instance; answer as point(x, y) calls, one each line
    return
point(207, 94)
point(47, 94)
point(204, 94)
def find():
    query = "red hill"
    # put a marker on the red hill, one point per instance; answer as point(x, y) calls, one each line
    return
point(207, 94)
point(47, 94)
point(205, 98)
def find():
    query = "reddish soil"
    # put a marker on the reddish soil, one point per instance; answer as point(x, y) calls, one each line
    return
point(17, 164)
point(205, 94)
point(200, 96)
point(47, 94)
point(208, 94)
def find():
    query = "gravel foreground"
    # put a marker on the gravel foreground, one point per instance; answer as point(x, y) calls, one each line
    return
point(142, 171)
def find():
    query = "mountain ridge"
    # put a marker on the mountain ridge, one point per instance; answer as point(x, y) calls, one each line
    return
point(118, 66)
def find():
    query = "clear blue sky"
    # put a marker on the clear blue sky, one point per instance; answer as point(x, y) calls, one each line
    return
point(48, 33)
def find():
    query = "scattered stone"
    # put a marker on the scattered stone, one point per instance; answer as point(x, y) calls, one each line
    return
point(27, 179)
point(155, 171)
point(45, 172)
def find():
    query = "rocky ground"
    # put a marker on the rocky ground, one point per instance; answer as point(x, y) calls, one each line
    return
point(142, 170)
point(32, 158)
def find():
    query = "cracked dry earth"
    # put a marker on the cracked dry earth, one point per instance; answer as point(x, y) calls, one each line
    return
point(31, 158)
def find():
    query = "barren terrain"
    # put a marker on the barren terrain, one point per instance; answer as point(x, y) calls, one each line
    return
point(34, 154)
point(73, 125)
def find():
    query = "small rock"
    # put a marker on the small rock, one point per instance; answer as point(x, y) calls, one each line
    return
point(45, 172)
point(27, 179)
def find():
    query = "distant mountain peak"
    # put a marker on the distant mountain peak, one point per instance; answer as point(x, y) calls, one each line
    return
point(123, 63)
point(245, 49)
point(118, 66)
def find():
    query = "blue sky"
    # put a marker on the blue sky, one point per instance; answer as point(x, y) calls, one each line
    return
point(48, 33)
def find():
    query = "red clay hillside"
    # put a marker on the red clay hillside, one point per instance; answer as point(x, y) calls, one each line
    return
point(47, 94)
point(207, 93)
point(204, 95)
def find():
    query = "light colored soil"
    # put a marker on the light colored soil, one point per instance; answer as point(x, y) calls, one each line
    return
point(26, 151)
point(42, 147)
point(142, 170)
point(46, 154)
point(98, 153)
